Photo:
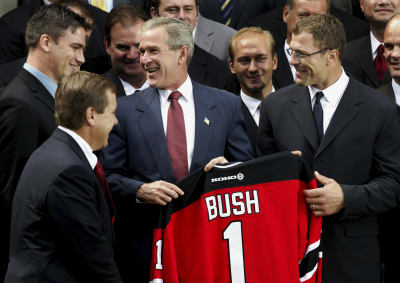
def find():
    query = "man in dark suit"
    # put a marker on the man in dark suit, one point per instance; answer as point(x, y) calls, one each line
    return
point(282, 21)
point(389, 235)
point(61, 228)
point(241, 11)
point(367, 51)
point(9, 70)
point(158, 141)
point(56, 40)
point(123, 26)
point(347, 132)
point(13, 46)
point(252, 60)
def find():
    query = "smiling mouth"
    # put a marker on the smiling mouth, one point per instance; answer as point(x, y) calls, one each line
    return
point(151, 70)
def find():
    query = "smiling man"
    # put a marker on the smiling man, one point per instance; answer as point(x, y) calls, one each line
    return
point(123, 27)
point(165, 132)
point(252, 59)
point(347, 132)
point(367, 51)
point(56, 39)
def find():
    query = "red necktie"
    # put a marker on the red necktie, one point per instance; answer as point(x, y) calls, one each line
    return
point(104, 186)
point(176, 137)
point(380, 63)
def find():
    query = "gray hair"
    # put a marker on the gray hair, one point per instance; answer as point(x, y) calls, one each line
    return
point(178, 33)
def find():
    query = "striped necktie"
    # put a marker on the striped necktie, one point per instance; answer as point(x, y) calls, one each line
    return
point(226, 10)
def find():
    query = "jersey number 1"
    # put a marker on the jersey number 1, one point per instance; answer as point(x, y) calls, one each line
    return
point(233, 233)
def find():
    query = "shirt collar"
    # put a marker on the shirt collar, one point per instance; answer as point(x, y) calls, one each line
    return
point(47, 2)
point(251, 102)
point(194, 30)
point(374, 45)
point(48, 83)
point(87, 150)
point(286, 49)
point(130, 89)
point(334, 92)
point(186, 89)
point(396, 90)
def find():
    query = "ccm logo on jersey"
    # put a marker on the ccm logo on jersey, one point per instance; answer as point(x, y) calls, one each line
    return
point(238, 176)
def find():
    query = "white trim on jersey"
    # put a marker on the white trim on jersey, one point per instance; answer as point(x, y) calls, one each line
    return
point(310, 248)
point(157, 280)
point(222, 166)
point(309, 274)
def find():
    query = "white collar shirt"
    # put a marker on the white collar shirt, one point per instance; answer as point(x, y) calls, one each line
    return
point(396, 90)
point(130, 89)
point(286, 49)
point(186, 101)
point(331, 98)
point(374, 45)
point(253, 105)
point(87, 150)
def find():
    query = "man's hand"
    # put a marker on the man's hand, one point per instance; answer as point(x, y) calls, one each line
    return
point(215, 161)
point(296, 152)
point(158, 192)
point(326, 200)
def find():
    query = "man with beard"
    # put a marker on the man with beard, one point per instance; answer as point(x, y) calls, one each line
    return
point(252, 59)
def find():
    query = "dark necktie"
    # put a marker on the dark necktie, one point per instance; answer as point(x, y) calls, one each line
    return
point(176, 137)
point(380, 63)
point(226, 10)
point(104, 186)
point(319, 115)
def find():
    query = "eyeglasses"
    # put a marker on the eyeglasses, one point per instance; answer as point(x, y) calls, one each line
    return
point(299, 55)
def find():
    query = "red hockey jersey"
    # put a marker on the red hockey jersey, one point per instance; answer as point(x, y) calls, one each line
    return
point(243, 222)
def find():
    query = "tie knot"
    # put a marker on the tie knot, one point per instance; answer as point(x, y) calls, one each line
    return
point(175, 95)
point(318, 96)
point(381, 48)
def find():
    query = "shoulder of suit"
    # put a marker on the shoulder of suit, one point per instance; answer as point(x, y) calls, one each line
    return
point(368, 95)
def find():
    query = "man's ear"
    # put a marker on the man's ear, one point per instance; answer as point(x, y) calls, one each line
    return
point(90, 116)
point(107, 45)
point(274, 61)
point(153, 12)
point(45, 42)
point(184, 55)
point(231, 66)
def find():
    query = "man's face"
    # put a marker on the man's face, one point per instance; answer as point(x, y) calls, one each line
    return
point(253, 63)
point(392, 48)
point(104, 122)
point(300, 10)
point(185, 10)
point(160, 63)
point(310, 70)
point(66, 55)
point(124, 51)
point(379, 11)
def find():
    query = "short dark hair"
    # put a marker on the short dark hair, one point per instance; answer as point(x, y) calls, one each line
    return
point(251, 30)
point(125, 14)
point(328, 32)
point(82, 6)
point(76, 93)
point(52, 20)
point(156, 4)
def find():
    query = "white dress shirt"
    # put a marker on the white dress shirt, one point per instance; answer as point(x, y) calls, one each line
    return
point(331, 98)
point(130, 89)
point(253, 105)
point(285, 50)
point(396, 90)
point(374, 45)
point(187, 103)
point(87, 150)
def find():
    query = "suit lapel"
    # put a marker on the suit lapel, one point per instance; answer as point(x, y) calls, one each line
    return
point(151, 126)
point(345, 112)
point(38, 90)
point(251, 126)
point(204, 34)
point(237, 10)
point(113, 77)
point(198, 65)
point(282, 76)
point(365, 59)
point(301, 109)
point(213, 5)
point(204, 124)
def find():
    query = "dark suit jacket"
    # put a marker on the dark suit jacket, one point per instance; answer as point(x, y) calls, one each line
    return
point(273, 21)
point(26, 121)
point(61, 225)
point(13, 46)
point(360, 53)
point(113, 77)
point(360, 151)
point(387, 89)
point(242, 11)
point(10, 70)
point(207, 69)
point(138, 153)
